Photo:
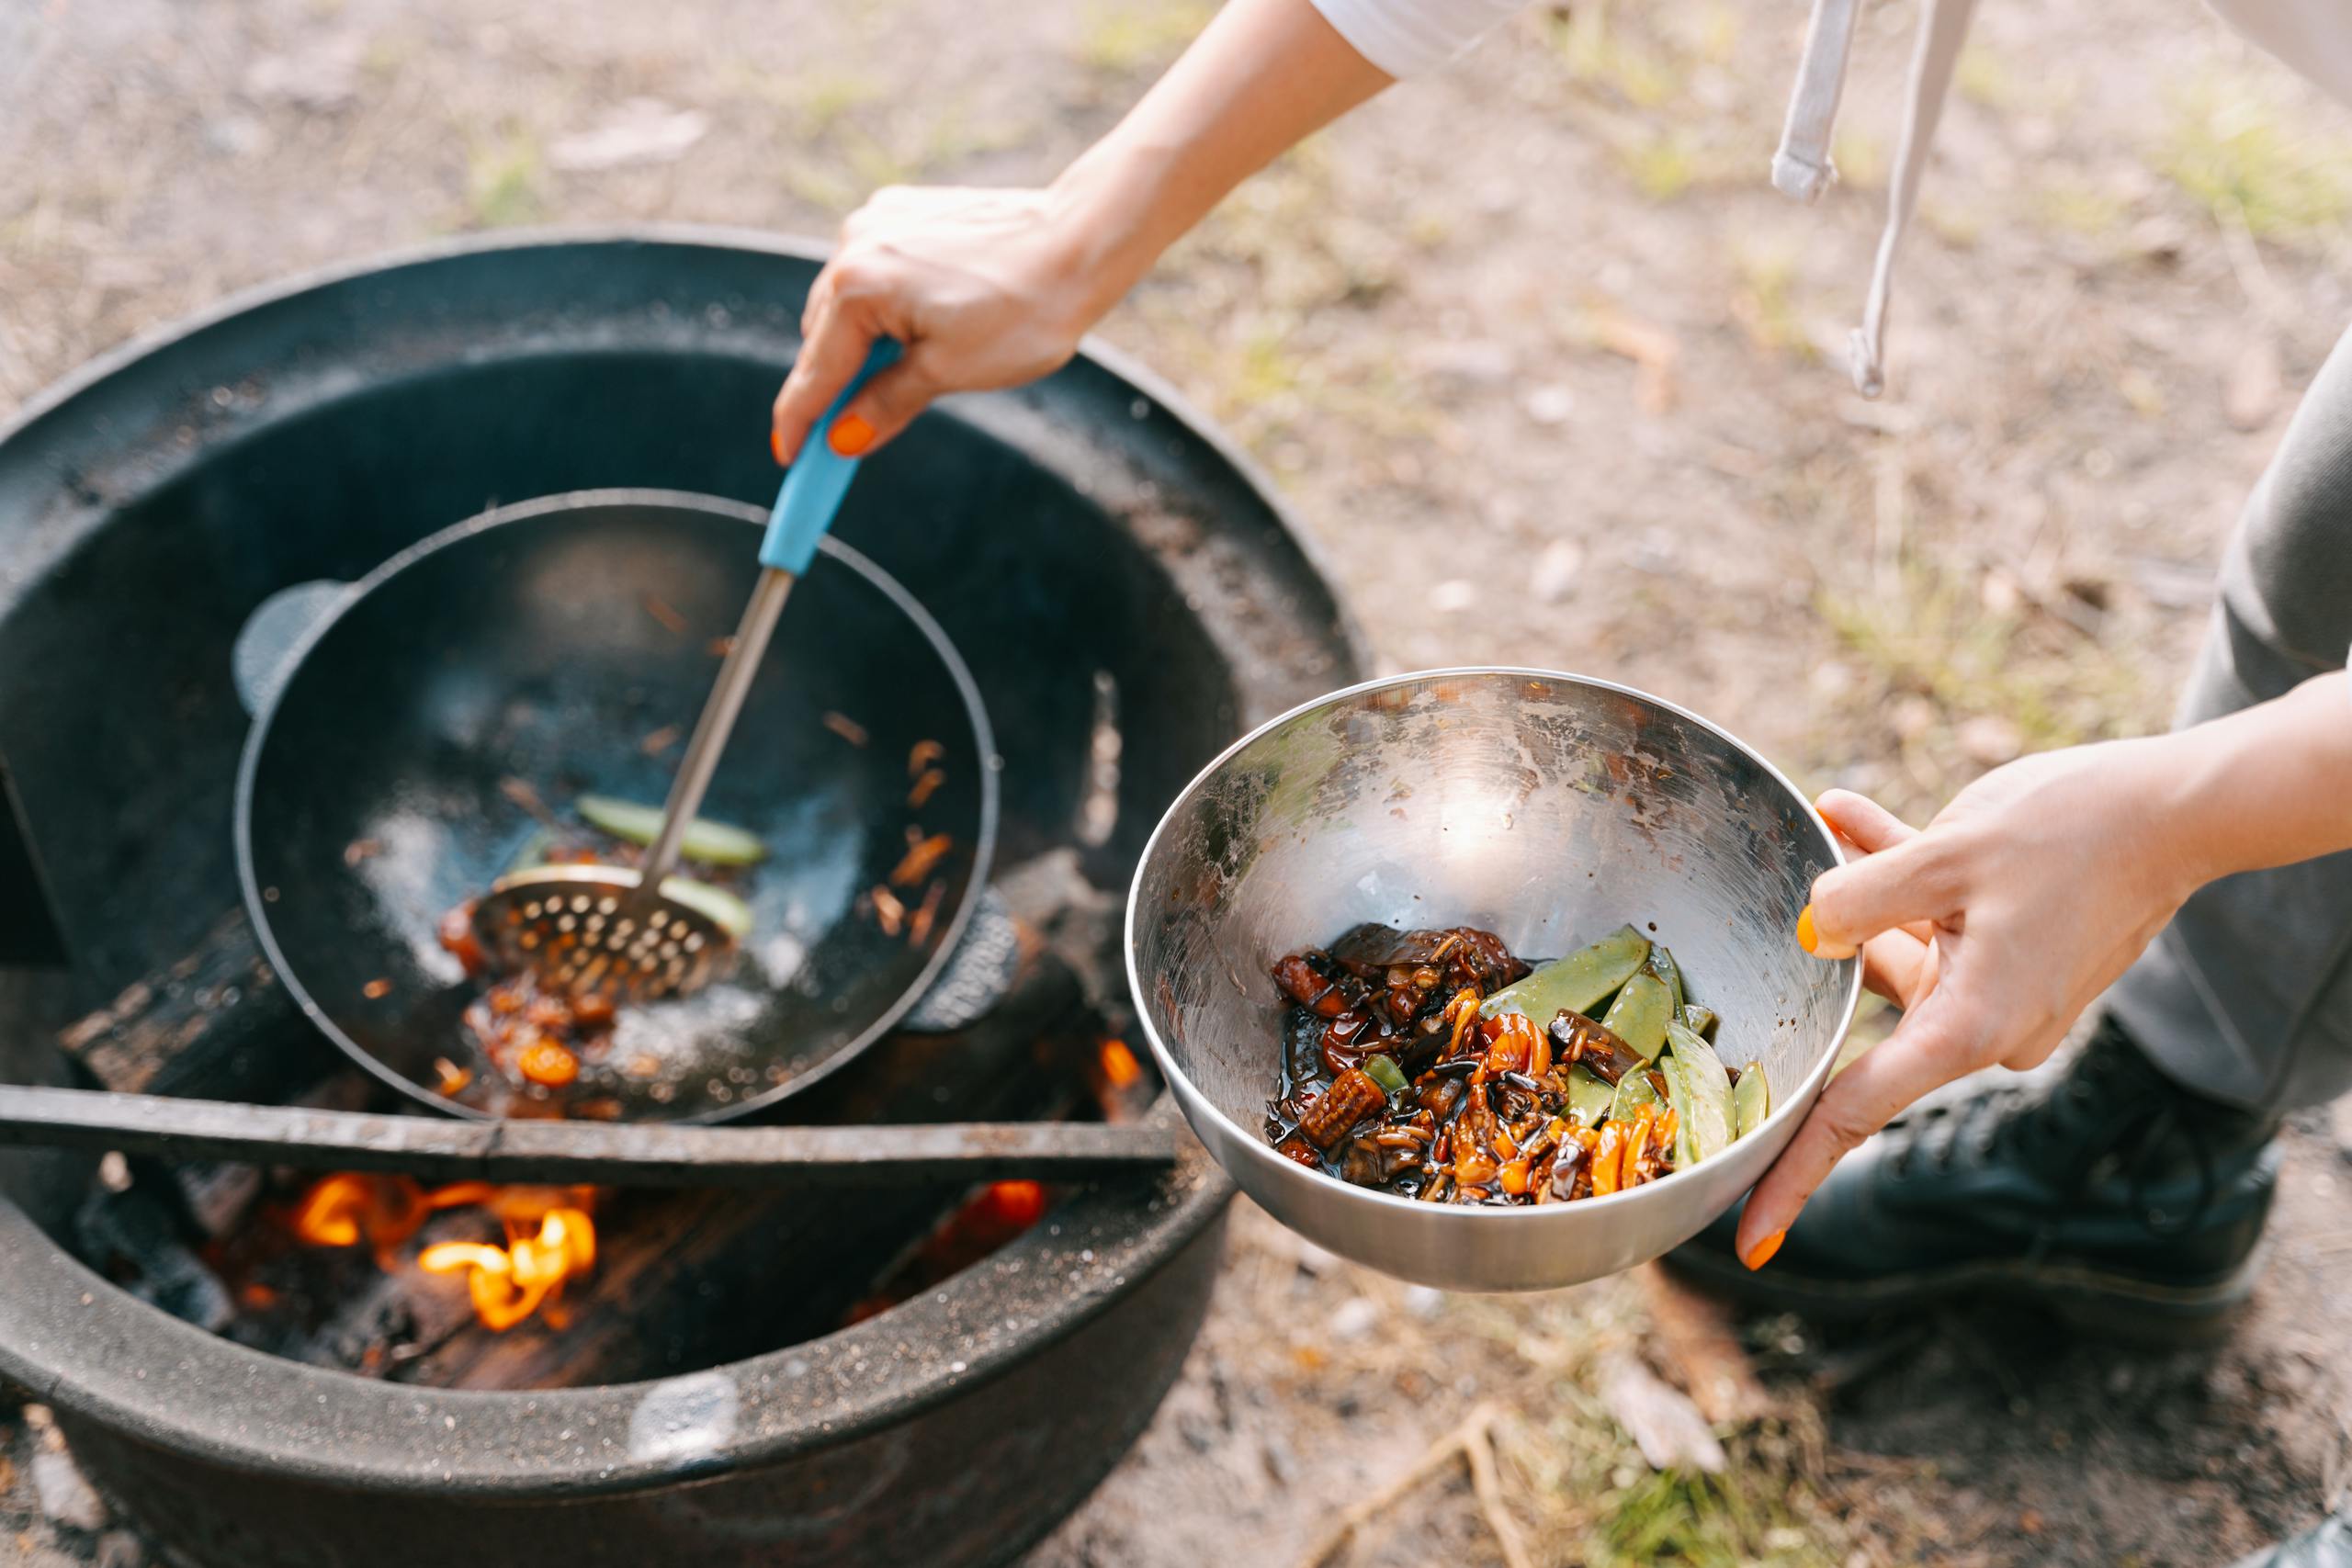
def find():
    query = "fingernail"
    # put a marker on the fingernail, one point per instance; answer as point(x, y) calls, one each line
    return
point(1762, 1253)
point(1810, 940)
point(775, 444)
point(850, 435)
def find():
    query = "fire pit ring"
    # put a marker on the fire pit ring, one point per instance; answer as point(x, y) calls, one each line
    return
point(1139, 582)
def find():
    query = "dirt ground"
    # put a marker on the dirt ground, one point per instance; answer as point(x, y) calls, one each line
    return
point(1556, 379)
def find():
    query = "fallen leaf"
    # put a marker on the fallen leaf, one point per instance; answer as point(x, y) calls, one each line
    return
point(1661, 1419)
point(1649, 346)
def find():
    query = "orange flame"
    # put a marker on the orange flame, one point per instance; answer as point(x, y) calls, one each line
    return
point(1119, 1064)
point(1015, 1205)
point(343, 1210)
point(549, 1238)
point(509, 1283)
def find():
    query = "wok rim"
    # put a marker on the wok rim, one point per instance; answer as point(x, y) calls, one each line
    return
point(257, 908)
point(1260, 1154)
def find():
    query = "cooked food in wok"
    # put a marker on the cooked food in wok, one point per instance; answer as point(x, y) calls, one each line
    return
point(1437, 1066)
point(528, 1047)
point(535, 1040)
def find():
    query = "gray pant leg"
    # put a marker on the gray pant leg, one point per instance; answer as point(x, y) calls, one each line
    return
point(2247, 995)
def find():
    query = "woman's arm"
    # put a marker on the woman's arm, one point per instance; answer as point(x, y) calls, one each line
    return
point(993, 288)
point(2034, 889)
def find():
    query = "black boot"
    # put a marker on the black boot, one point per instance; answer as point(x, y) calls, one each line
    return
point(2101, 1189)
point(2326, 1545)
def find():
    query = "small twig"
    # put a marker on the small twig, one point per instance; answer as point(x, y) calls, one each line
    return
point(1479, 1444)
point(1473, 1443)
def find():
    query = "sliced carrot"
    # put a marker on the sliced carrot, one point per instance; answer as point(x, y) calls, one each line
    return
point(1607, 1158)
point(546, 1064)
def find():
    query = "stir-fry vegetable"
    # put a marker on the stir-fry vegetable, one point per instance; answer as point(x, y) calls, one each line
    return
point(1436, 1066)
point(711, 843)
point(1575, 982)
point(1639, 1016)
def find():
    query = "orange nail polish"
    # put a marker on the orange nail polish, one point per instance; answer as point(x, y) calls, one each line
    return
point(775, 444)
point(850, 435)
point(1762, 1253)
point(1806, 939)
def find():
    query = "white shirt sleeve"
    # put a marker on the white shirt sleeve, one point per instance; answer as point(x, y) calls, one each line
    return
point(1412, 37)
point(2313, 37)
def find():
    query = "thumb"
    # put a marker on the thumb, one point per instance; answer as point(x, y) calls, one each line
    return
point(835, 347)
point(884, 406)
point(1919, 879)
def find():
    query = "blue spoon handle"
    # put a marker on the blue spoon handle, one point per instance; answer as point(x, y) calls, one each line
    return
point(818, 478)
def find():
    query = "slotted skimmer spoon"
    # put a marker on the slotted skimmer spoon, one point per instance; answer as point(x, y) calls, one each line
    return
point(645, 932)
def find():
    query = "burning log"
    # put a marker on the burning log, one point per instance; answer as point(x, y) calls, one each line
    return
point(670, 1281)
point(682, 1280)
point(676, 1274)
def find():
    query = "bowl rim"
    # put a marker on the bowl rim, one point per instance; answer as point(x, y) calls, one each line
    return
point(1254, 1147)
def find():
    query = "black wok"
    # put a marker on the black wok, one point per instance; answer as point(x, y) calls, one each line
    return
point(416, 733)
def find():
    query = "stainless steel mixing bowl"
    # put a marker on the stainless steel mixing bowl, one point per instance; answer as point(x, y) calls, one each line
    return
point(1548, 808)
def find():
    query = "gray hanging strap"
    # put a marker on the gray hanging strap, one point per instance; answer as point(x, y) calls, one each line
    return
point(1802, 167)
point(1943, 28)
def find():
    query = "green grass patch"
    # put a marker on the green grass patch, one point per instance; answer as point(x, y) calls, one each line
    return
point(1763, 300)
point(2234, 152)
point(2068, 200)
point(1120, 37)
point(506, 182)
point(1684, 1520)
point(1599, 1505)
point(1931, 636)
point(1663, 166)
point(1599, 54)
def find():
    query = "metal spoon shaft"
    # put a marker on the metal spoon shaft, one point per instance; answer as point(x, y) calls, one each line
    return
point(716, 723)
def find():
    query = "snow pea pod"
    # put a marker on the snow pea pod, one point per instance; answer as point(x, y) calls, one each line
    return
point(1635, 1093)
point(1751, 1098)
point(1640, 1014)
point(712, 843)
point(1576, 982)
point(1703, 1095)
point(1588, 1097)
point(1663, 965)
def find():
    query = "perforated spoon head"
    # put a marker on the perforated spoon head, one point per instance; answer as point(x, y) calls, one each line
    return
point(579, 929)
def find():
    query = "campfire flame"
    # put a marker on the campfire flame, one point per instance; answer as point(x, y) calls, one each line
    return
point(509, 1283)
point(550, 1236)
point(1120, 1067)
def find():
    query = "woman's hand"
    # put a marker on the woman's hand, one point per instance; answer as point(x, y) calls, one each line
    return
point(986, 288)
point(1992, 930)
point(990, 288)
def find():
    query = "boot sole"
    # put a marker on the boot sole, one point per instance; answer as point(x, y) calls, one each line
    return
point(2113, 1306)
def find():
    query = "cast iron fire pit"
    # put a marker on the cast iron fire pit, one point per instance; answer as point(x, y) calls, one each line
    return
point(1129, 597)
